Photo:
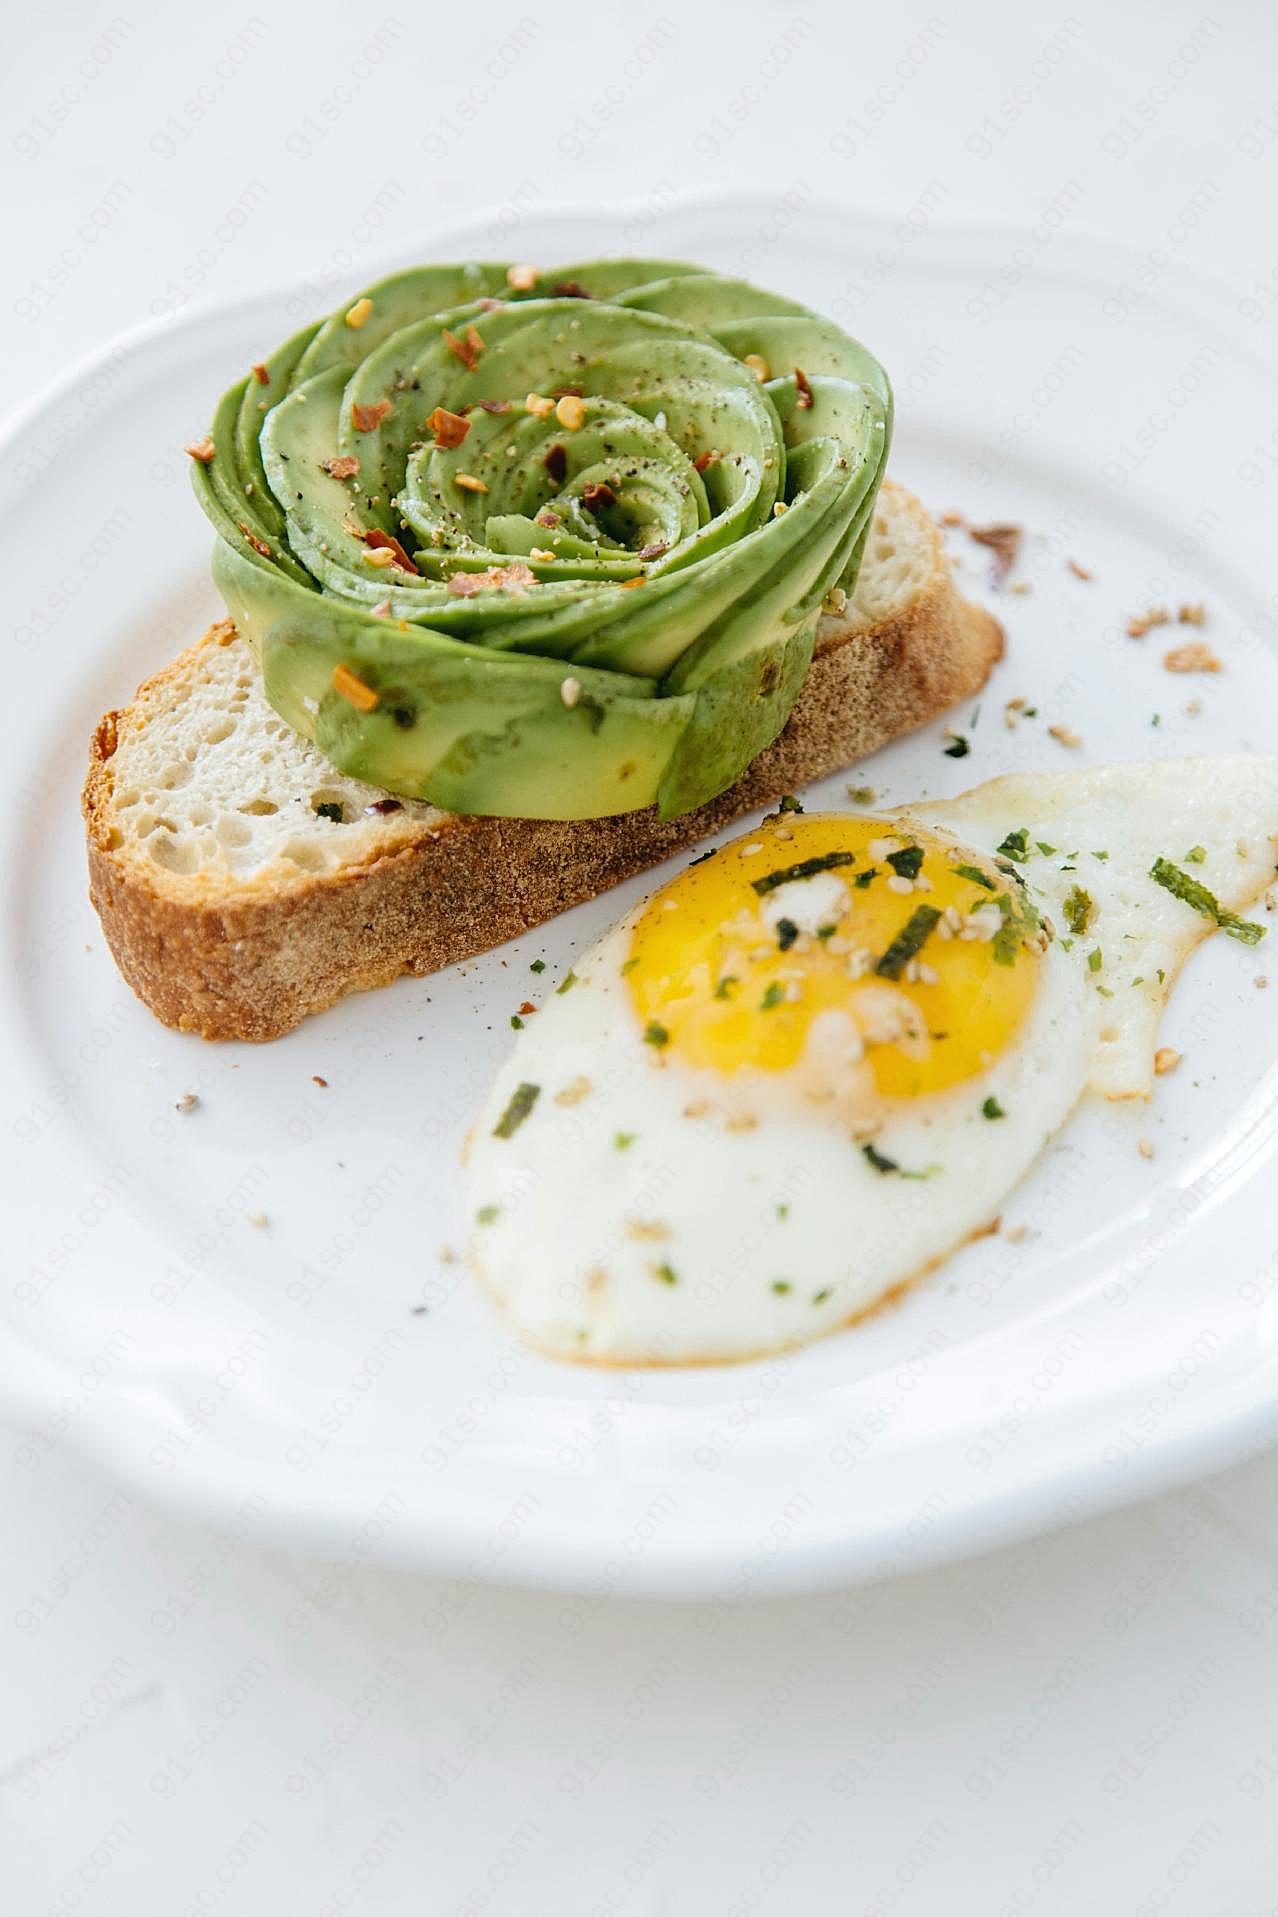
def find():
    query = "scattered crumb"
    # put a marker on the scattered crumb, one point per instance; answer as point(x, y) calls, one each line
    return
point(1020, 586)
point(1018, 1234)
point(1194, 613)
point(420, 1311)
point(1143, 622)
point(1145, 1147)
point(1064, 736)
point(1166, 1059)
point(1004, 541)
point(1195, 657)
point(258, 1219)
point(446, 1255)
point(321, 1082)
point(1194, 707)
point(861, 794)
point(1012, 712)
point(950, 519)
point(1260, 983)
point(1079, 572)
point(187, 1102)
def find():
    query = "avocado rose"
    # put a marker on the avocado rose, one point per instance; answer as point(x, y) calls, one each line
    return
point(545, 545)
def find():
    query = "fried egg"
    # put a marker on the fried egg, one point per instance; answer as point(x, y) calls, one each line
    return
point(819, 1059)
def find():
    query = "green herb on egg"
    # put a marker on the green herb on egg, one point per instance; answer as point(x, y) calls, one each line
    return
point(804, 869)
point(908, 942)
point(1192, 893)
point(523, 1098)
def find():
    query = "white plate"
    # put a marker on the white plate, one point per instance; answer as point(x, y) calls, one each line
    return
point(277, 1381)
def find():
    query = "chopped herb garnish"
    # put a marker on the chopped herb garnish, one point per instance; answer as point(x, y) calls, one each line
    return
point(516, 1023)
point(326, 809)
point(1195, 855)
point(1192, 893)
point(825, 932)
point(1102, 856)
point(622, 1141)
point(958, 748)
point(992, 1109)
point(862, 879)
point(1080, 908)
point(882, 1164)
point(523, 1098)
point(1048, 851)
point(782, 1287)
point(805, 869)
point(1095, 959)
point(723, 988)
point(910, 940)
point(488, 1214)
point(566, 983)
point(656, 1035)
point(629, 966)
point(783, 1212)
point(666, 1273)
point(861, 794)
point(976, 875)
point(908, 862)
point(789, 803)
point(538, 965)
point(787, 933)
point(819, 1297)
point(1017, 925)
point(1162, 976)
point(772, 997)
point(1016, 845)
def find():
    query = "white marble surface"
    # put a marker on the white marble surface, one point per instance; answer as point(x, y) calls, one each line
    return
point(1082, 1724)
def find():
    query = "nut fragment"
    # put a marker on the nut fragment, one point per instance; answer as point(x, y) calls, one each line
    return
point(468, 483)
point(522, 278)
point(758, 366)
point(1194, 613)
point(449, 428)
point(1195, 657)
point(366, 418)
point(201, 449)
point(1166, 1059)
point(357, 314)
point(1143, 622)
point(571, 411)
point(538, 404)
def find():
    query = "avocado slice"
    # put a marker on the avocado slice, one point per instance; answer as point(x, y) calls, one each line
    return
point(550, 549)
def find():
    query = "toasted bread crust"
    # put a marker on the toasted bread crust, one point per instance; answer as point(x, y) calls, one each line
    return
point(252, 962)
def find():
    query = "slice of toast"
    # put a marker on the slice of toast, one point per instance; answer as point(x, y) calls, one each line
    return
point(235, 907)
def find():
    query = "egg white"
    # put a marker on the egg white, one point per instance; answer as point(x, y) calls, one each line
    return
point(736, 1221)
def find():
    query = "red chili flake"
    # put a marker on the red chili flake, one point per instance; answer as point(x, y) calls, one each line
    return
point(467, 350)
point(384, 806)
point(495, 405)
point(705, 459)
point(346, 466)
point(654, 551)
point(804, 399)
point(556, 462)
point(593, 497)
point(385, 542)
point(526, 1007)
point(449, 428)
point(366, 418)
point(1004, 541)
point(260, 374)
point(570, 290)
point(567, 392)
point(258, 545)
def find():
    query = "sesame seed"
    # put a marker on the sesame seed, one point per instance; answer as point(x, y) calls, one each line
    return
point(570, 691)
point(468, 483)
point(896, 883)
point(1145, 1147)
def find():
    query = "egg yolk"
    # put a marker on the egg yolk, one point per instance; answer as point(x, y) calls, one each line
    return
point(929, 952)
